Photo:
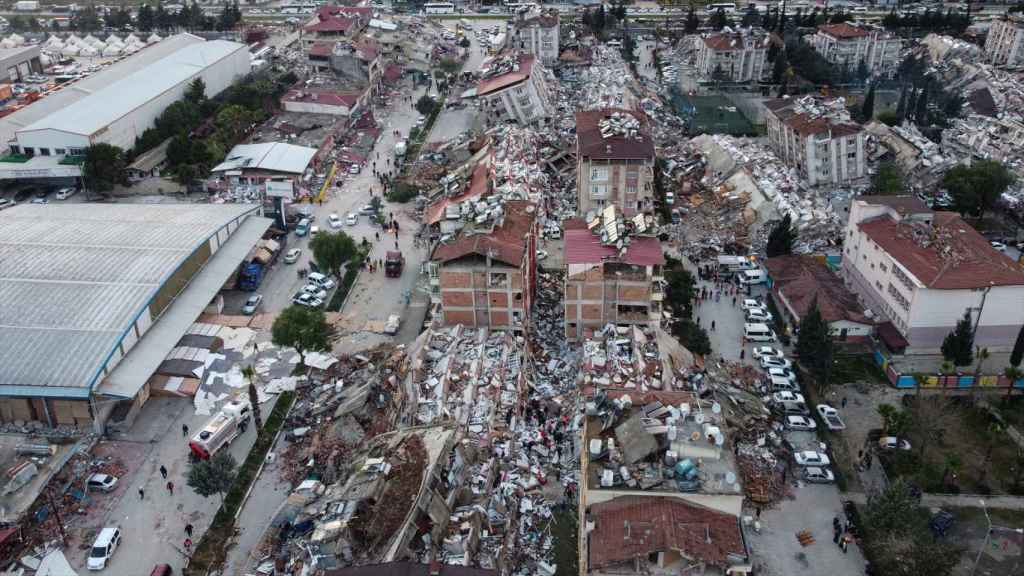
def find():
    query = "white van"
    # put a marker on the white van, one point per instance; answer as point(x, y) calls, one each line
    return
point(753, 277)
point(758, 333)
point(320, 280)
point(103, 548)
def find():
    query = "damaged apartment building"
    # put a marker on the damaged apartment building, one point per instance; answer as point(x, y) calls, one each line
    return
point(847, 46)
point(614, 272)
point(740, 56)
point(536, 33)
point(1004, 44)
point(818, 138)
point(615, 162)
point(486, 274)
point(922, 270)
point(513, 87)
point(658, 478)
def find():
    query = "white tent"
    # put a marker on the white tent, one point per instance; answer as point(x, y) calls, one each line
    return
point(88, 51)
point(132, 48)
point(112, 38)
point(92, 40)
point(73, 39)
point(54, 41)
point(113, 50)
point(16, 39)
point(153, 38)
point(45, 59)
point(98, 45)
point(55, 564)
point(131, 38)
point(6, 43)
point(71, 50)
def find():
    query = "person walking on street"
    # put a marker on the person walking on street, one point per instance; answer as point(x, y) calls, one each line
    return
point(188, 530)
point(712, 325)
point(184, 429)
point(170, 487)
point(163, 471)
point(188, 545)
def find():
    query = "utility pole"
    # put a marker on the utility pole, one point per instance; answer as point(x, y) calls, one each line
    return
point(981, 309)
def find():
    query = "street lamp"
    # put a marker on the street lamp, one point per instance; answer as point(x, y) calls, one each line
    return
point(988, 533)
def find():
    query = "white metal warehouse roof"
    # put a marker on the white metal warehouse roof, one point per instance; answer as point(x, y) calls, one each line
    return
point(75, 277)
point(79, 89)
point(273, 156)
point(101, 108)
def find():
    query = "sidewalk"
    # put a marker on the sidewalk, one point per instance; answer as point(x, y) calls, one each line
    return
point(954, 500)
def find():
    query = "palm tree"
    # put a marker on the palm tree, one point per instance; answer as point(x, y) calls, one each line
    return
point(947, 368)
point(982, 355)
point(1013, 374)
point(953, 463)
point(249, 372)
point(995, 433)
point(920, 379)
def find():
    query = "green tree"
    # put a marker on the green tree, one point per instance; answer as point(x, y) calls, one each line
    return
point(425, 105)
point(888, 181)
point(103, 167)
point(215, 475)
point(867, 111)
point(781, 238)
point(815, 347)
point(692, 21)
point(914, 552)
point(680, 290)
point(250, 375)
point(145, 19)
point(894, 421)
point(888, 117)
point(233, 122)
point(977, 187)
point(692, 336)
point(196, 91)
point(951, 465)
point(958, 346)
point(1018, 349)
point(893, 510)
point(303, 328)
point(719, 20)
point(751, 17)
point(332, 250)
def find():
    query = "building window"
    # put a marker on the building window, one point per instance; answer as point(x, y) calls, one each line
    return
point(76, 151)
point(30, 151)
point(59, 151)
point(44, 151)
point(15, 149)
point(899, 298)
point(498, 280)
point(902, 277)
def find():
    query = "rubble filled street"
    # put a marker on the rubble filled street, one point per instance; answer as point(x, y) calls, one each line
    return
point(521, 289)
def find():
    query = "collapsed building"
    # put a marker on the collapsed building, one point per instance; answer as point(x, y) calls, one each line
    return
point(513, 87)
point(537, 33)
point(818, 138)
point(613, 273)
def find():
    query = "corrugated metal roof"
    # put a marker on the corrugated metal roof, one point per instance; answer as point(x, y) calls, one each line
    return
point(75, 277)
point(79, 89)
point(273, 156)
point(101, 108)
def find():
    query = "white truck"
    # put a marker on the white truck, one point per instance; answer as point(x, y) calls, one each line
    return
point(220, 430)
point(26, 6)
point(400, 149)
point(831, 417)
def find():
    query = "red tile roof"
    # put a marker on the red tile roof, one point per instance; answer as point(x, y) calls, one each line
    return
point(392, 73)
point(501, 81)
point(722, 42)
point(904, 205)
point(322, 49)
point(805, 124)
point(632, 527)
point(804, 279)
point(584, 247)
point(325, 97)
point(332, 24)
point(506, 243)
point(842, 30)
point(967, 260)
point(477, 186)
point(591, 144)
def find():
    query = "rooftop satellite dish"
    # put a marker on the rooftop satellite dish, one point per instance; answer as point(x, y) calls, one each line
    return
point(698, 418)
point(719, 439)
point(716, 408)
point(730, 477)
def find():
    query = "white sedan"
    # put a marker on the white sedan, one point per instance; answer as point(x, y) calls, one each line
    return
point(810, 458)
point(334, 220)
point(307, 299)
point(775, 362)
point(292, 256)
point(758, 315)
point(750, 304)
point(352, 219)
point(766, 351)
point(794, 422)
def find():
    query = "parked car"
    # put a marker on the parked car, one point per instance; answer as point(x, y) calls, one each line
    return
point(252, 304)
point(102, 482)
point(775, 362)
point(103, 548)
point(831, 417)
point(353, 169)
point(334, 221)
point(307, 299)
point(893, 443)
point(65, 193)
point(797, 422)
point(752, 303)
point(998, 246)
point(303, 227)
point(817, 475)
point(368, 209)
point(352, 219)
point(755, 315)
point(782, 385)
point(781, 373)
point(314, 230)
point(766, 351)
point(292, 256)
point(785, 396)
point(811, 458)
point(315, 290)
